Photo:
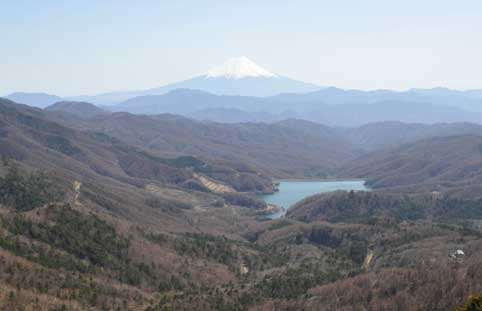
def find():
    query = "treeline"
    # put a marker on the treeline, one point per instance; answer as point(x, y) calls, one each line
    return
point(26, 191)
point(243, 200)
point(87, 243)
point(366, 207)
point(211, 247)
point(80, 248)
point(429, 287)
point(474, 304)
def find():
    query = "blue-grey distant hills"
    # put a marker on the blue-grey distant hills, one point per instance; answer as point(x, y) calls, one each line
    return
point(247, 86)
point(40, 100)
point(329, 106)
point(79, 109)
point(241, 91)
point(236, 76)
point(185, 101)
point(470, 100)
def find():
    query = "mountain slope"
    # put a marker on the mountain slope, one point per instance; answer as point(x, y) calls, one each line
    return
point(233, 115)
point(126, 235)
point(121, 220)
point(184, 101)
point(286, 148)
point(402, 111)
point(469, 100)
point(380, 135)
point(332, 107)
point(452, 164)
point(27, 132)
point(80, 109)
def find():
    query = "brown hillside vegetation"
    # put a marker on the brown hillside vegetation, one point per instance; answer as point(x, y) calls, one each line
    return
point(286, 148)
point(380, 135)
point(361, 207)
point(128, 227)
point(441, 164)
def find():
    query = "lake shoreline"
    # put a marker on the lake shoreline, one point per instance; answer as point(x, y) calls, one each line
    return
point(291, 191)
point(317, 179)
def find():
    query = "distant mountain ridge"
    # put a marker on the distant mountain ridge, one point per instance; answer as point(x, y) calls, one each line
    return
point(329, 106)
point(236, 76)
point(130, 215)
point(439, 163)
point(285, 148)
point(80, 109)
point(39, 100)
point(239, 90)
point(370, 136)
point(381, 135)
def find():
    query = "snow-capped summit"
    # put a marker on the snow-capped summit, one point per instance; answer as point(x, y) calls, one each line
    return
point(238, 68)
point(236, 76)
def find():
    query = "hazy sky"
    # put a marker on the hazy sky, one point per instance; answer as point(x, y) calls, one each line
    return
point(88, 47)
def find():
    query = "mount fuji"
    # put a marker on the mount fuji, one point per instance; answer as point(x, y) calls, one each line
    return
point(241, 76)
point(236, 76)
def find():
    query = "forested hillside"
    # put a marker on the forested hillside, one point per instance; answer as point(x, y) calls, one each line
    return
point(286, 148)
point(126, 212)
point(439, 164)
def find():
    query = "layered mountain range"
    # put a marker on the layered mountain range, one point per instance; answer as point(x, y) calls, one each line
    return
point(147, 200)
point(239, 90)
point(113, 210)
point(404, 157)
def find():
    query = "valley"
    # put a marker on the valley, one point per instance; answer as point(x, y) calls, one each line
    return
point(290, 192)
point(133, 212)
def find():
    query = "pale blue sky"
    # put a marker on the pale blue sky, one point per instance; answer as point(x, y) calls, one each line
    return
point(88, 47)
